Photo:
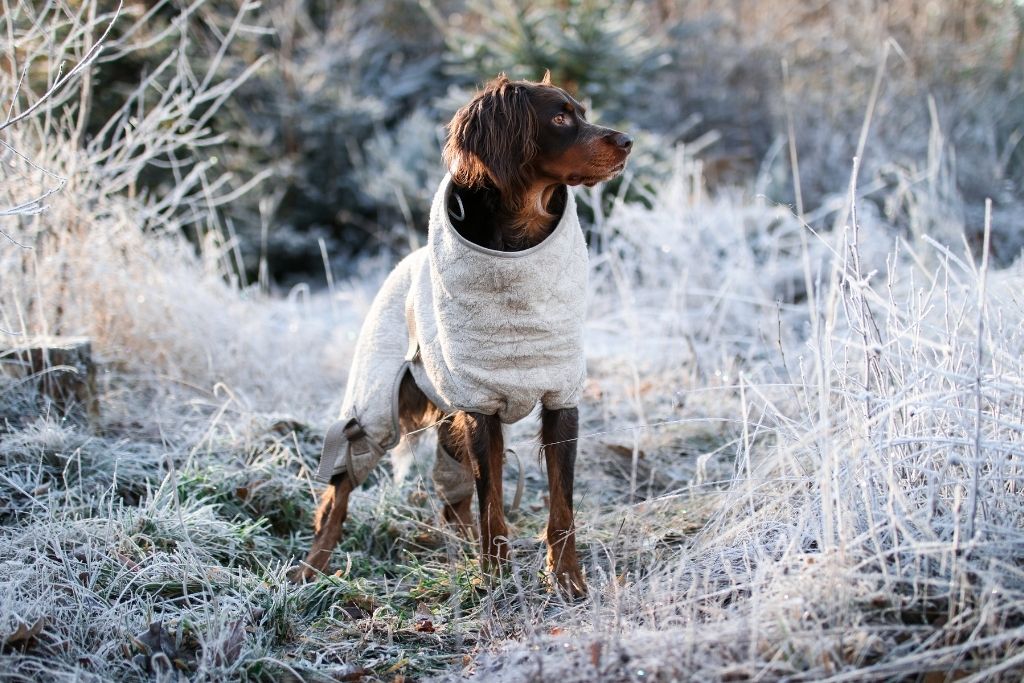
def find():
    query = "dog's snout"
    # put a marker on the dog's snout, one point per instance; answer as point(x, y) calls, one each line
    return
point(620, 140)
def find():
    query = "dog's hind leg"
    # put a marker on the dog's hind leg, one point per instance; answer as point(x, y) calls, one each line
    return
point(416, 411)
point(559, 431)
point(461, 516)
point(482, 441)
point(330, 516)
point(414, 408)
point(454, 481)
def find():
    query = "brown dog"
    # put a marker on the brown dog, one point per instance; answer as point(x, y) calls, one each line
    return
point(511, 152)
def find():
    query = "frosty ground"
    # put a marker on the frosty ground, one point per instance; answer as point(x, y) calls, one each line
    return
point(801, 437)
point(827, 489)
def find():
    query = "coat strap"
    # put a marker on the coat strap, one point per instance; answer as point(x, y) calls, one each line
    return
point(346, 434)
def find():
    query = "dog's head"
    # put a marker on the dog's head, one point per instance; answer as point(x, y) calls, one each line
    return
point(517, 134)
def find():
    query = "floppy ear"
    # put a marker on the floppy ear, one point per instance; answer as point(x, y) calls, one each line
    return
point(492, 140)
point(547, 77)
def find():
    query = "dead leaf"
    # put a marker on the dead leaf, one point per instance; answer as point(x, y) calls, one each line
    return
point(396, 666)
point(158, 649)
point(232, 646)
point(624, 451)
point(286, 425)
point(24, 633)
point(424, 626)
point(126, 561)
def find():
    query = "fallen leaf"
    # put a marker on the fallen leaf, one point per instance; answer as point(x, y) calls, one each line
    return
point(396, 666)
point(232, 646)
point(126, 561)
point(158, 649)
point(625, 451)
point(424, 626)
point(286, 425)
point(23, 633)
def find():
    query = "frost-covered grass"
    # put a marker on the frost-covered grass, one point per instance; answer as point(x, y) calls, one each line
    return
point(857, 512)
point(761, 492)
point(800, 451)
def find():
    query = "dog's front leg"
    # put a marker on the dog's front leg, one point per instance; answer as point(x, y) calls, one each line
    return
point(559, 431)
point(485, 443)
point(330, 515)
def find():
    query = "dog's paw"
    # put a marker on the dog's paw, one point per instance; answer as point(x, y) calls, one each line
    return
point(564, 566)
point(570, 583)
point(567, 576)
point(303, 573)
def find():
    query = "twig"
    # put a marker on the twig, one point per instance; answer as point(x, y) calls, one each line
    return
point(972, 503)
point(62, 81)
point(794, 161)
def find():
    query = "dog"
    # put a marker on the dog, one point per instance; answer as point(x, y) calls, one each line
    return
point(511, 152)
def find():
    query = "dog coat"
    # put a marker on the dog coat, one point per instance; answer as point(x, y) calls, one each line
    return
point(484, 331)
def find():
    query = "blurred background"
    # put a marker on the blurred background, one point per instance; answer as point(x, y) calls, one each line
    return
point(340, 117)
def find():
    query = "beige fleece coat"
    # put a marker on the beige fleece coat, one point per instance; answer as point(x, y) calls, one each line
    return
point(485, 331)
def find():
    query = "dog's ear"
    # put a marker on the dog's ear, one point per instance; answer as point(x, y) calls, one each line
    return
point(547, 77)
point(493, 139)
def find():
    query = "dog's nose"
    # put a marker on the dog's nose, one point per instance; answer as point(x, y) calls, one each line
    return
point(620, 140)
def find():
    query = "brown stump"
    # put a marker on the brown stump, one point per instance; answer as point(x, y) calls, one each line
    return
point(62, 367)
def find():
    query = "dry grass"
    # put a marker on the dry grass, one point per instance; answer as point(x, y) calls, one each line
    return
point(800, 452)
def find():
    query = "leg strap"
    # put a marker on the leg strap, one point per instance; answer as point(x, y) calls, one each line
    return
point(361, 452)
point(453, 480)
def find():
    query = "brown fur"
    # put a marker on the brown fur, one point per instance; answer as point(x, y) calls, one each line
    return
point(504, 148)
point(559, 429)
point(492, 140)
point(511, 151)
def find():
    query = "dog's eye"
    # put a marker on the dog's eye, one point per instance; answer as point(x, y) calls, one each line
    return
point(561, 119)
